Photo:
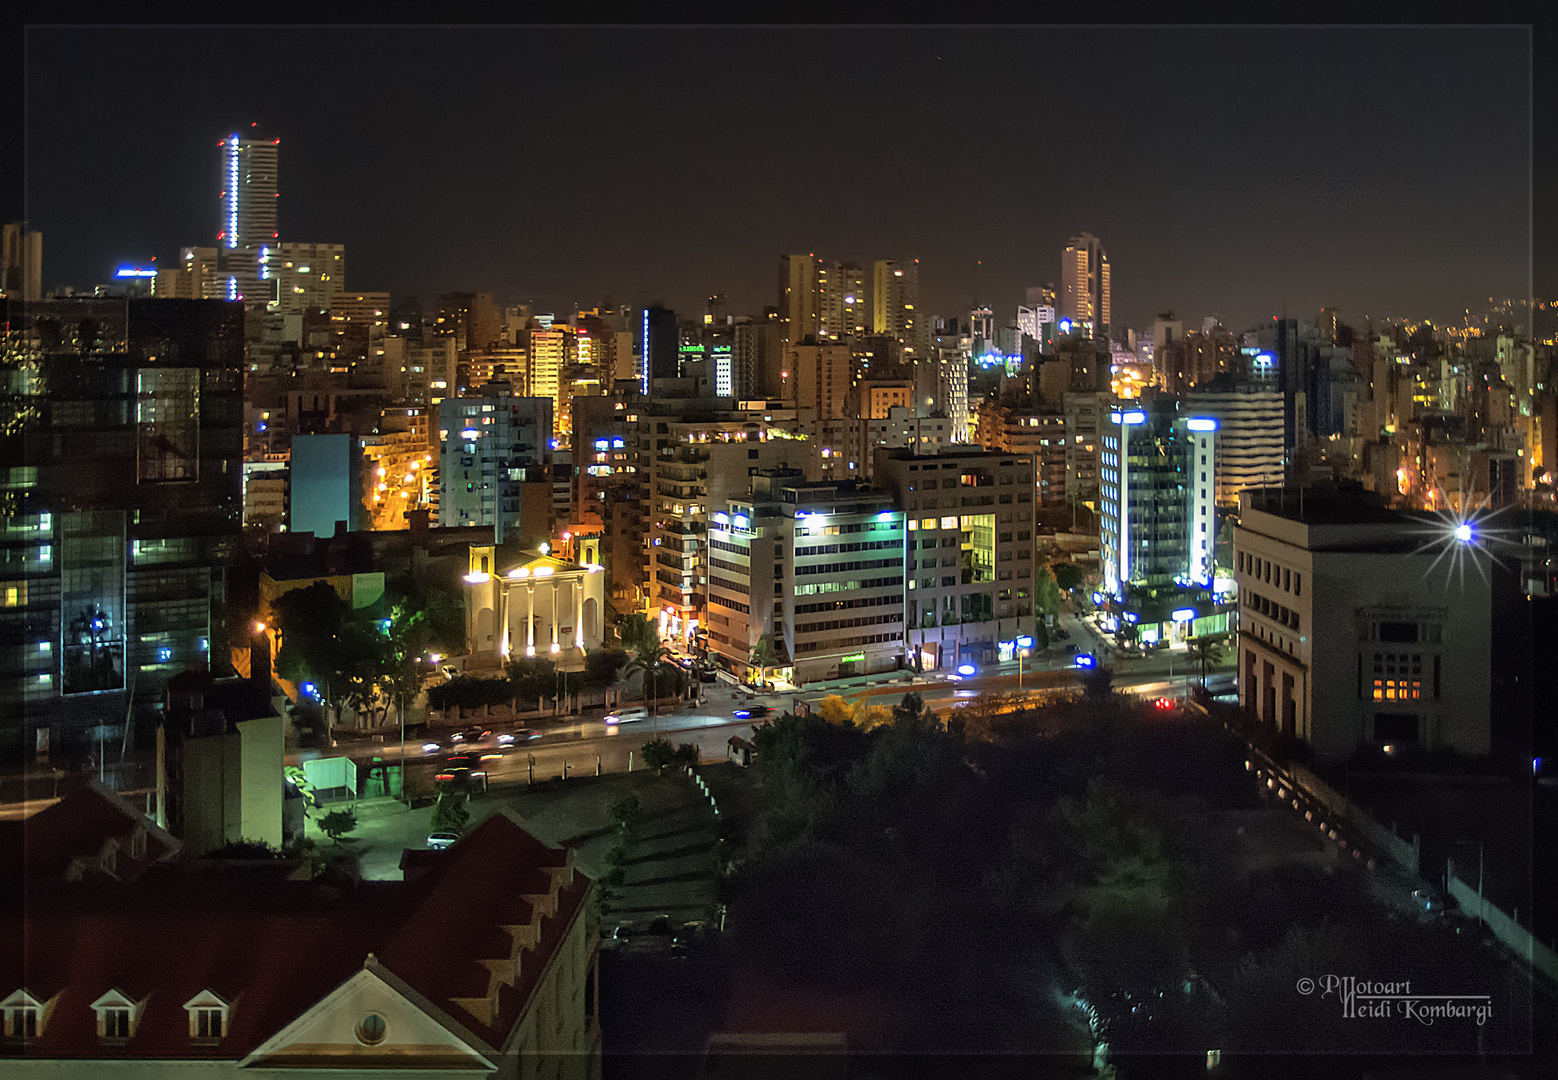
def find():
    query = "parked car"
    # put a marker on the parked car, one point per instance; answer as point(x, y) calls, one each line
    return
point(659, 926)
point(439, 840)
point(708, 675)
point(753, 712)
point(627, 716)
point(1071, 649)
point(690, 936)
point(1062, 635)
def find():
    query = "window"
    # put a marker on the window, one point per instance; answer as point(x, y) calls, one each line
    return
point(209, 1024)
point(23, 1016)
point(115, 1023)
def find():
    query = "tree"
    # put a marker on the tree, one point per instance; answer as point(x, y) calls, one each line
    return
point(626, 814)
point(1046, 593)
point(337, 823)
point(309, 622)
point(652, 660)
point(1067, 576)
point(688, 756)
point(1098, 684)
point(449, 812)
point(603, 668)
point(764, 656)
point(635, 631)
point(835, 710)
point(467, 692)
point(1206, 652)
point(532, 677)
point(658, 753)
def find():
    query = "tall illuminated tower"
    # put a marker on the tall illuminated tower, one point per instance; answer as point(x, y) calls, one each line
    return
point(895, 298)
point(1084, 289)
point(248, 219)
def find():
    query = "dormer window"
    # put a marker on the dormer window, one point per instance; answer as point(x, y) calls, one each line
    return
point(23, 1015)
point(117, 1016)
point(208, 1016)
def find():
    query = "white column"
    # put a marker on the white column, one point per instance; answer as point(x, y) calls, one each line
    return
point(530, 620)
point(578, 610)
point(555, 645)
point(503, 639)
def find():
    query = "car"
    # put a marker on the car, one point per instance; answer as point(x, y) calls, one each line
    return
point(1062, 635)
point(439, 840)
point(1428, 901)
point(753, 712)
point(708, 675)
point(1072, 649)
point(627, 716)
point(690, 935)
point(431, 747)
point(463, 760)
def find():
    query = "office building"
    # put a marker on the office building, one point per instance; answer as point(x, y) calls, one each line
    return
point(1084, 286)
point(816, 568)
point(969, 561)
point(895, 300)
point(821, 377)
point(1249, 434)
point(1158, 523)
point(122, 506)
point(1350, 635)
point(21, 263)
point(491, 447)
point(248, 201)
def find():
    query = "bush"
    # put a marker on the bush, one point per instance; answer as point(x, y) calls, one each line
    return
point(244, 849)
point(688, 755)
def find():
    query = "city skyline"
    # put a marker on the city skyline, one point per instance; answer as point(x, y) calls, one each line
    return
point(1238, 219)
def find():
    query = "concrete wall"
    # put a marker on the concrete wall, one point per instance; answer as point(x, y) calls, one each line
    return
point(1506, 929)
point(213, 770)
point(262, 780)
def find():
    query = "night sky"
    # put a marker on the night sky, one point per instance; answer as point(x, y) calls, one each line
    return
point(1383, 172)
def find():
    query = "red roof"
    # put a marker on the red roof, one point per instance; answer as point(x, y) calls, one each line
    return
point(271, 948)
point(46, 844)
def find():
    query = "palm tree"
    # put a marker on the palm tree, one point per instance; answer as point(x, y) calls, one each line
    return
point(763, 657)
point(648, 658)
point(1207, 652)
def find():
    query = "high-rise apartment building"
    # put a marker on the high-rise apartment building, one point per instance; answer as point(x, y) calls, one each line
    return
point(1249, 434)
point(969, 560)
point(659, 346)
point(895, 304)
point(822, 376)
point(121, 507)
point(755, 359)
point(305, 277)
point(196, 277)
point(1084, 285)
point(491, 447)
point(703, 464)
point(326, 489)
point(21, 263)
point(248, 212)
point(798, 297)
point(842, 310)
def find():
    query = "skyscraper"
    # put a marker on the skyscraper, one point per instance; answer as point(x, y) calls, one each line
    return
point(798, 297)
point(841, 300)
point(1084, 284)
point(248, 201)
point(22, 265)
point(895, 299)
point(305, 277)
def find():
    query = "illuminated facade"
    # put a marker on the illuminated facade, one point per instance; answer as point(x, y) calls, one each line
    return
point(1249, 435)
point(817, 567)
point(969, 561)
point(491, 447)
point(247, 224)
point(1084, 286)
point(1342, 643)
point(305, 277)
point(895, 304)
point(543, 607)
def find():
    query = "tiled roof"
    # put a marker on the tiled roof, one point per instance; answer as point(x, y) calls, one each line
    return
point(274, 949)
point(76, 828)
